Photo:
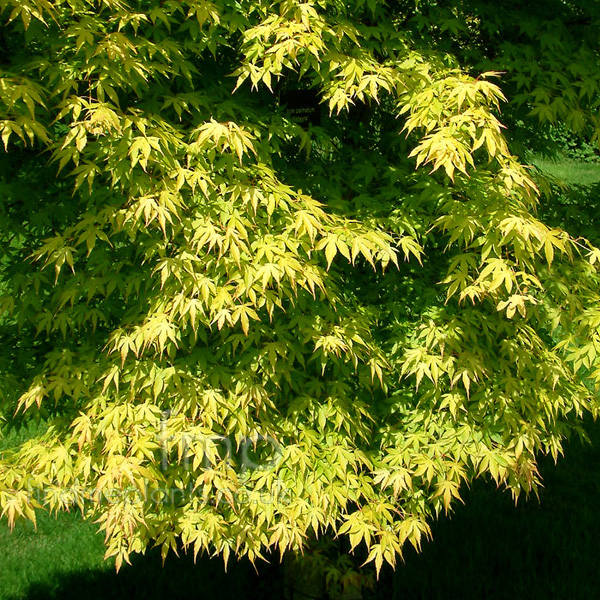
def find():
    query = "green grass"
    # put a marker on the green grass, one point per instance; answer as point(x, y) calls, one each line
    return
point(40, 559)
point(570, 171)
point(63, 560)
point(571, 198)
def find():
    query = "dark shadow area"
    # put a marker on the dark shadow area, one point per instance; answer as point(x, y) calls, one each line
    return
point(487, 549)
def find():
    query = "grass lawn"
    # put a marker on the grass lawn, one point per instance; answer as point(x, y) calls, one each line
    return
point(571, 172)
point(63, 559)
point(33, 560)
point(575, 201)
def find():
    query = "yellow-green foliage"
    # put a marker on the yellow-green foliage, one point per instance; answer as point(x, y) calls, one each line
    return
point(244, 331)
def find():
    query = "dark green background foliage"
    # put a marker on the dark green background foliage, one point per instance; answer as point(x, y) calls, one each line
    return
point(384, 305)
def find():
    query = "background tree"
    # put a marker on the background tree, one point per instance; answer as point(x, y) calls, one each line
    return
point(194, 285)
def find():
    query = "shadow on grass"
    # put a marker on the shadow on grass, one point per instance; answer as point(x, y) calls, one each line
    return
point(487, 549)
point(146, 578)
point(63, 560)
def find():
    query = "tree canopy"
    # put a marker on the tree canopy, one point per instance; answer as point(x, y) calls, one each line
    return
point(241, 330)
